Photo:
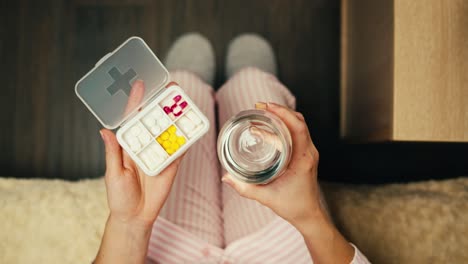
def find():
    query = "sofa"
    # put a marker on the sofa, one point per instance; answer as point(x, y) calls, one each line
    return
point(55, 221)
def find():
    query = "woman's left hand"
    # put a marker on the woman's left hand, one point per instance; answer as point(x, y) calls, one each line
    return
point(133, 196)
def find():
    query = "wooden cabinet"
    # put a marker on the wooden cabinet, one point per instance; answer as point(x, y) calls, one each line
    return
point(404, 70)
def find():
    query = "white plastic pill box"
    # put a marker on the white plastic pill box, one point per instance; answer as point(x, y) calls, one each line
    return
point(157, 124)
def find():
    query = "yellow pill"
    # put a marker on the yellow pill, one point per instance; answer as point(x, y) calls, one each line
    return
point(172, 138)
point(165, 136)
point(166, 144)
point(172, 129)
point(160, 140)
point(181, 140)
point(170, 151)
point(175, 146)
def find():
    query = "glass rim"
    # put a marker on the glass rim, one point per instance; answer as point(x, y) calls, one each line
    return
point(262, 176)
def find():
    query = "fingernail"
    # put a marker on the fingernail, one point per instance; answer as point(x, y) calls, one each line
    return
point(272, 104)
point(136, 84)
point(103, 136)
point(261, 106)
point(171, 84)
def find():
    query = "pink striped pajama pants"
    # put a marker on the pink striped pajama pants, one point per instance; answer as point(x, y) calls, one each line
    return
point(205, 221)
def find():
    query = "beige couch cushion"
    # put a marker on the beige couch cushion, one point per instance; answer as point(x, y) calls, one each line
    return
point(424, 222)
point(52, 221)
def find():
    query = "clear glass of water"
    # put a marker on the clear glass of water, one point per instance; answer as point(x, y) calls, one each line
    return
point(254, 146)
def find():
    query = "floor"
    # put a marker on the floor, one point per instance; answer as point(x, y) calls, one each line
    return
point(48, 45)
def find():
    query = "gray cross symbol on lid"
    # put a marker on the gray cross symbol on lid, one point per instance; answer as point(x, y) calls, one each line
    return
point(121, 81)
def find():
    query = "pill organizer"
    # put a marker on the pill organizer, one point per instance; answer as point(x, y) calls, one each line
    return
point(156, 124)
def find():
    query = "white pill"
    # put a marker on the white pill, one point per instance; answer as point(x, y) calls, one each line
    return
point(144, 157)
point(136, 130)
point(132, 140)
point(155, 129)
point(150, 163)
point(156, 114)
point(186, 124)
point(157, 160)
point(128, 137)
point(135, 147)
point(149, 121)
point(163, 122)
point(194, 117)
point(162, 154)
point(190, 127)
point(153, 154)
point(158, 151)
point(184, 121)
point(144, 138)
point(193, 132)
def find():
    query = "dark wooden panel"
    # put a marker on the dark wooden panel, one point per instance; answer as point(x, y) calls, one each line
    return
point(97, 29)
point(46, 46)
point(9, 15)
point(37, 58)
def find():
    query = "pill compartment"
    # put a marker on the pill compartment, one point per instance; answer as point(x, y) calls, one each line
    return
point(174, 105)
point(190, 123)
point(156, 121)
point(171, 140)
point(137, 137)
point(152, 156)
point(142, 114)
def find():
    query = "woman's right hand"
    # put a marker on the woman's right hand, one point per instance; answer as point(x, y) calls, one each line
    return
point(295, 195)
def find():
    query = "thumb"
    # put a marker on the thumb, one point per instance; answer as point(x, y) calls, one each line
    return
point(113, 153)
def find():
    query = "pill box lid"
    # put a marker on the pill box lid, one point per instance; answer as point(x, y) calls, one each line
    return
point(107, 89)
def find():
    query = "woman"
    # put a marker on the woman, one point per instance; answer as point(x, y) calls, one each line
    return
point(203, 220)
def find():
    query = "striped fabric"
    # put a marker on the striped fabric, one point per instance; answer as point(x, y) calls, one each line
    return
point(204, 221)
